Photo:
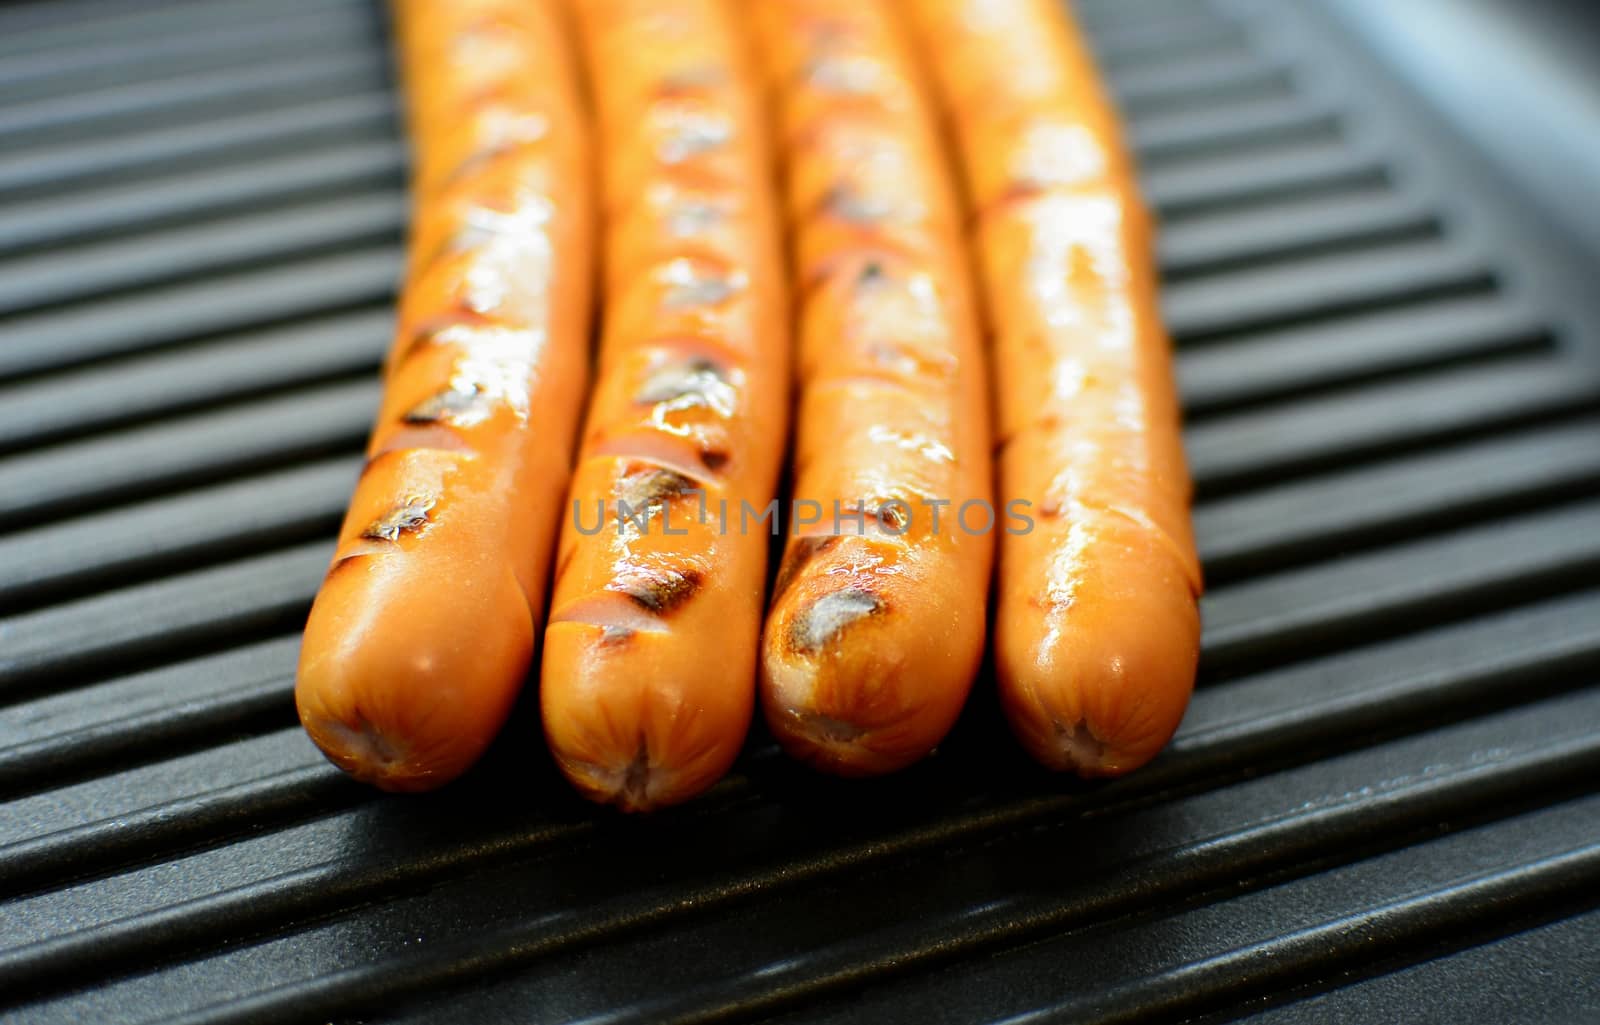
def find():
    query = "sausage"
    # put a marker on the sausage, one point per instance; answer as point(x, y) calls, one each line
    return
point(876, 628)
point(423, 630)
point(1097, 626)
point(648, 680)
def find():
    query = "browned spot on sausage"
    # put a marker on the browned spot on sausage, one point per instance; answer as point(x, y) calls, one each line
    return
point(812, 628)
point(862, 268)
point(446, 405)
point(405, 517)
point(694, 137)
point(644, 488)
point(657, 589)
point(872, 274)
point(700, 289)
point(714, 459)
point(840, 74)
point(694, 217)
point(801, 552)
point(848, 203)
point(694, 376)
point(892, 516)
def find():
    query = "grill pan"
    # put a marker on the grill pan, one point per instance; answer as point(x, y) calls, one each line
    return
point(1383, 803)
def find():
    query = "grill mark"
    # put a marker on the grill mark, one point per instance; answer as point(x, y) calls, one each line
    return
point(445, 406)
point(693, 139)
point(407, 516)
point(700, 290)
point(658, 590)
point(653, 486)
point(895, 520)
point(646, 493)
point(847, 203)
point(694, 217)
point(799, 555)
point(830, 615)
point(872, 274)
point(881, 255)
point(841, 74)
point(680, 378)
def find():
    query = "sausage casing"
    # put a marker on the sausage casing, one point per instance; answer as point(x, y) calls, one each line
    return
point(423, 630)
point(648, 678)
point(877, 623)
point(1097, 626)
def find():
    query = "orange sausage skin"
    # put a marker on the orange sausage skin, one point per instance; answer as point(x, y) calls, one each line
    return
point(1097, 627)
point(876, 627)
point(648, 681)
point(423, 630)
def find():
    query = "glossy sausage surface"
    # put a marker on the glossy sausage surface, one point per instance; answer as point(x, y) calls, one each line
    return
point(877, 623)
point(1097, 626)
point(423, 630)
point(648, 679)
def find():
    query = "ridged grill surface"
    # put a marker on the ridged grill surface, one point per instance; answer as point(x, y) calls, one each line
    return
point(1383, 803)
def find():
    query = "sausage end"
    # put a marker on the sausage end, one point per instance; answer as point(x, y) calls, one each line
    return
point(369, 755)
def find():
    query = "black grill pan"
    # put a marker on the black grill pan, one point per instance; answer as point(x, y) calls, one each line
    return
point(1382, 806)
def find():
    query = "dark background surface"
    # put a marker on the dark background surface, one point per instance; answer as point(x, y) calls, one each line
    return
point(1520, 79)
point(1383, 804)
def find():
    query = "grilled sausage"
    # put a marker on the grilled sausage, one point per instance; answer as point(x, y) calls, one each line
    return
point(1097, 628)
point(649, 664)
point(423, 630)
point(877, 623)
